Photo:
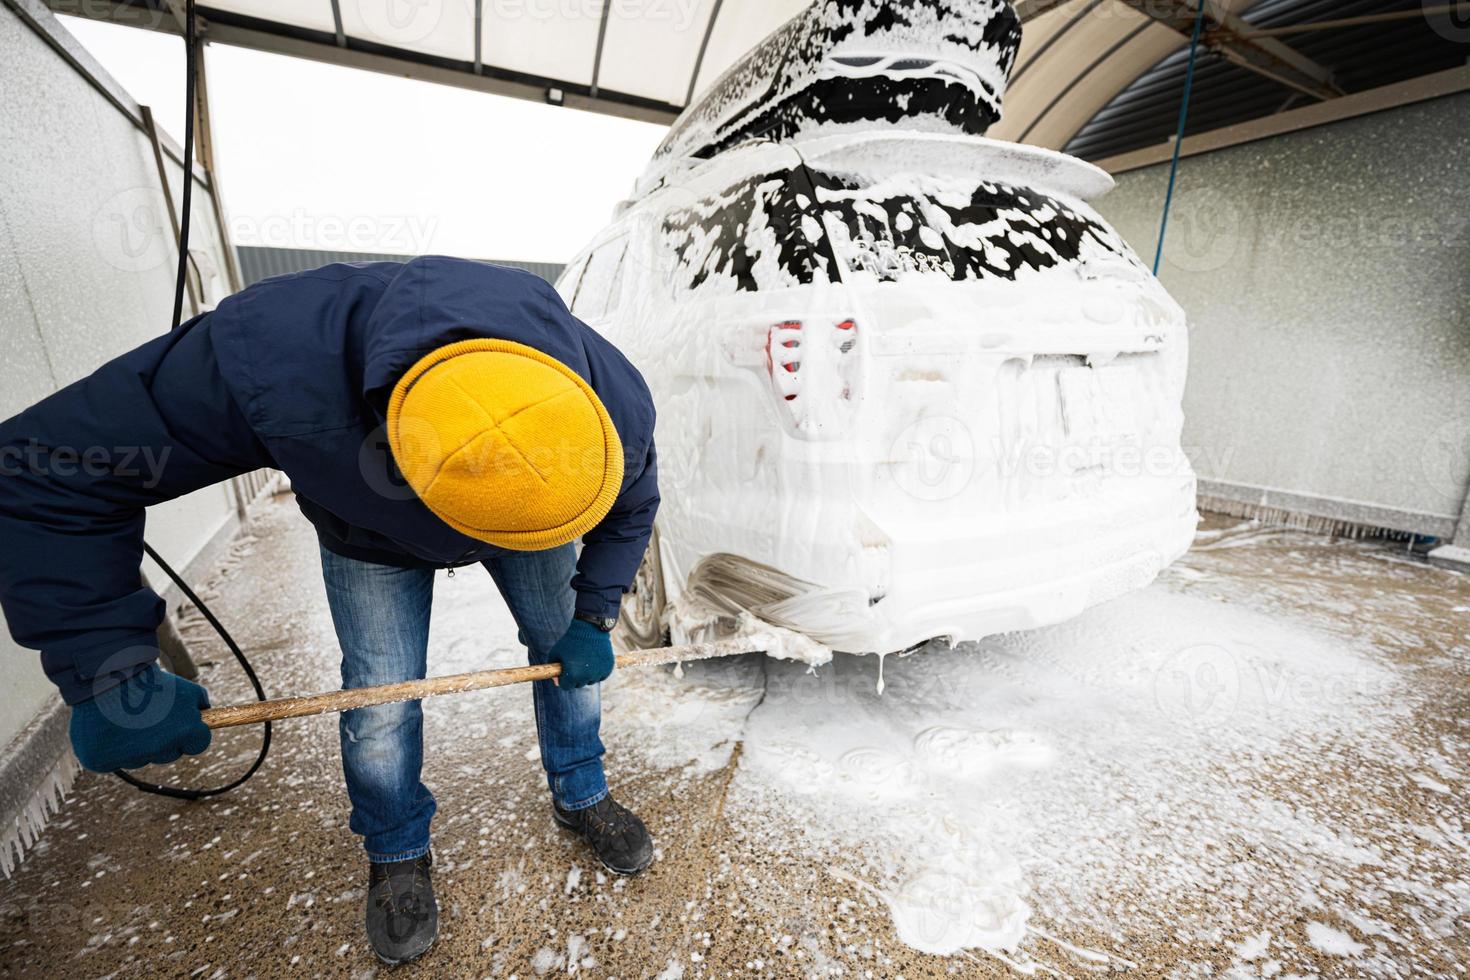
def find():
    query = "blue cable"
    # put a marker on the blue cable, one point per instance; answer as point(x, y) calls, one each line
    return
point(1199, 23)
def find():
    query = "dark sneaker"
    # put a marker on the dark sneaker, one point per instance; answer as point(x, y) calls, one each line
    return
point(619, 838)
point(402, 916)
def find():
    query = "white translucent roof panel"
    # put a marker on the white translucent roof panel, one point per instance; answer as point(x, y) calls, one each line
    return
point(315, 15)
point(522, 37)
point(650, 49)
point(741, 25)
point(445, 28)
point(1074, 57)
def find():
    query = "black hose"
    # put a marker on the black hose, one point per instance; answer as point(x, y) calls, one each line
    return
point(190, 52)
point(265, 742)
point(181, 279)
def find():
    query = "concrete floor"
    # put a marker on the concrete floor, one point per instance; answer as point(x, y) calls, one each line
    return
point(1254, 768)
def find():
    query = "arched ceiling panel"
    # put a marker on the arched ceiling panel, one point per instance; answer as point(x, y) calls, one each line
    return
point(1066, 61)
point(1112, 68)
point(1047, 29)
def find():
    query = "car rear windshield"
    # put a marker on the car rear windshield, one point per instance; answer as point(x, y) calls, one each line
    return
point(805, 225)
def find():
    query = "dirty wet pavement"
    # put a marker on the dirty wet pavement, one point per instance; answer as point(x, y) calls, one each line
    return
point(1254, 768)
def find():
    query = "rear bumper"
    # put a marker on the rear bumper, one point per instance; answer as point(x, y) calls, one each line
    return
point(969, 586)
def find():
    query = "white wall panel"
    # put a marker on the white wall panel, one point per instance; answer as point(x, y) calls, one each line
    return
point(86, 273)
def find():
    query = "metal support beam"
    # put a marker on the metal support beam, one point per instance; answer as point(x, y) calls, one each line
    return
point(601, 37)
point(1451, 81)
point(204, 155)
point(1462, 9)
point(1230, 38)
point(176, 7)
point(151, 128)
point(479, 37)
point(709, 29)
point(337, 23)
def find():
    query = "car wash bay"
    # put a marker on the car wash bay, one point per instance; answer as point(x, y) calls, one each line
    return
point(1254, 767)
point(1258, 759)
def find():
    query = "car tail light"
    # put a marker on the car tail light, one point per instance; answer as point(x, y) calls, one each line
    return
point(795, 349)
point(846, 341)
point(783, 357)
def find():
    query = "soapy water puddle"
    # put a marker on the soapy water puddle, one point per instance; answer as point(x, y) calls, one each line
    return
point(1167, 765)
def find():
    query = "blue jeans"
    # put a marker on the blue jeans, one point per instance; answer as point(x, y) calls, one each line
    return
point(382, 618)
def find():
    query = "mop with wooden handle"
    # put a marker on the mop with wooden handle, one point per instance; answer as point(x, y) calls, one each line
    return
point(253, 712)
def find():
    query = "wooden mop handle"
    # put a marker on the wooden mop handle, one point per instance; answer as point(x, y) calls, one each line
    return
point(253, 712)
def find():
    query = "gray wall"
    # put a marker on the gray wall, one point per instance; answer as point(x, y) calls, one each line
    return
point(1326, 274)
point(86, 272)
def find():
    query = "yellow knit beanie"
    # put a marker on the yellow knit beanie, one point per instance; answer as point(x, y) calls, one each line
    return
point(505, 444)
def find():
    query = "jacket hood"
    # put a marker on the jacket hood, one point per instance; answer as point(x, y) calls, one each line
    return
point(435, 301)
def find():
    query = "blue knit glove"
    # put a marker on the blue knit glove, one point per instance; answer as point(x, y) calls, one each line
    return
point(585, 654)
point(152, 717)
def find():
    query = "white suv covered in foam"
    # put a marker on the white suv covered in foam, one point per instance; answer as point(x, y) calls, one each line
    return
point(909, 386)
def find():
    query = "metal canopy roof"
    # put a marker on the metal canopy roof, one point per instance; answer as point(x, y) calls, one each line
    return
point(642, 59)
point(1102, 77)
point(1360, 57)
point(1096, 77)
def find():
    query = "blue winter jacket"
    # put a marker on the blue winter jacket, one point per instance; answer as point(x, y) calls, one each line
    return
point(294, 372)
